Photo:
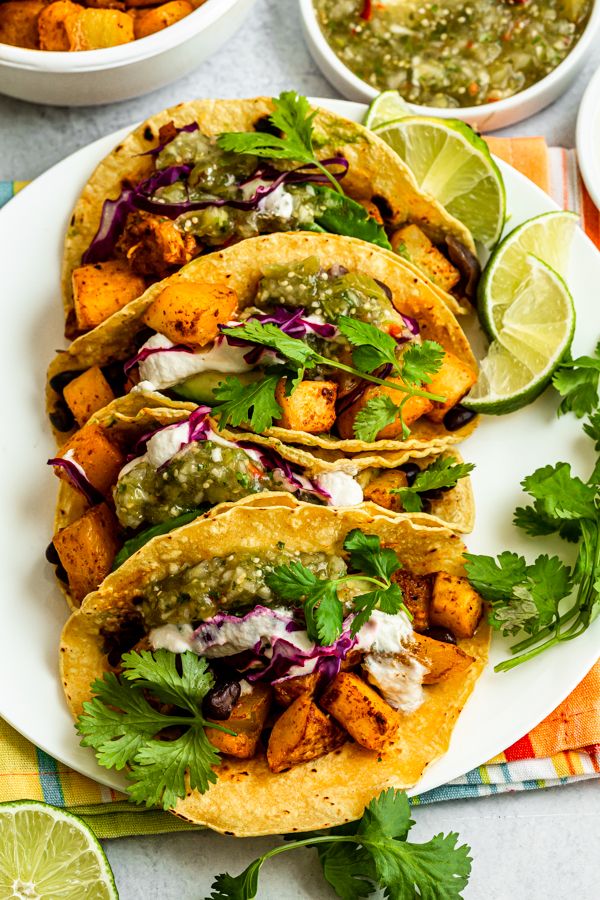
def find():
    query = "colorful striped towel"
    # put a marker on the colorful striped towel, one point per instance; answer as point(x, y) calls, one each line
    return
point(563, 748)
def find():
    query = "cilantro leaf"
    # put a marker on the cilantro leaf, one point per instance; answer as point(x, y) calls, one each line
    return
point(271, 336)
point(122, 726)
point(550, 581)
point(240, 887)
point(292, 582)
point(255, 403)
point(351, 875)
point(368, 556)
point(132, 545)
point(444, 472)
point(495, 580)
point(376, 414)
point(373, 347)
point(387, 599)
point(560, 494)
point(322, 608)
point(592, 429)
point(329, 616)
point(339, 214)
point(577, 381)
point(421, 361)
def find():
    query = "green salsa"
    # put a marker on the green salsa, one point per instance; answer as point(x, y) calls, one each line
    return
point(226, 583)
point(449, 54)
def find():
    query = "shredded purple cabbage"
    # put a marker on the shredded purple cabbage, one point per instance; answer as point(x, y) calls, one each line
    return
point(289, 321)
point(411, 324)
point(77, 477)
point(193, 126)
point(144, 353)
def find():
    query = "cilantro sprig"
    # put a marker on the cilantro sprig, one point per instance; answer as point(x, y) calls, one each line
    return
point(372, 348)
point(122, 726)
point(292, 116)
point(443, 473)
point(577, 381)
point(323, 608)
point(374, 853)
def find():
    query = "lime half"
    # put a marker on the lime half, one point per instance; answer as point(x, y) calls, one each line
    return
point(387, 107)
point(47, 853)
point(453, 164)
point(536, 333)
point(548, 237)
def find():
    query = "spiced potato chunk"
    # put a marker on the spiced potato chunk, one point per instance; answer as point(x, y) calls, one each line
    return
point(247, 720)
point(87, 549)
point(360, 710)
point(455, 605)
point(303, 732)
point(190, 312)
point(101, 289)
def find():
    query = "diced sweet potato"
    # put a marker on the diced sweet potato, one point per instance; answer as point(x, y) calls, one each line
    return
point(88, 393)
point(303, 732)
point(52, 24)
point(452, 381)
point(93, 29)
point(247, 719)
point(190, 312)
point(413, 409)
point(440, 659)
point(87, 549)
point(310, 407)
point(455, 605)
point(101, 289)
point(18, 23)
point(360, 710)
point(373, 210)
point(380, 489)
point(153, 245)
point(289, 690)
point(413, 244)
point(416, 592)
point(151, 20)
point(100, 459)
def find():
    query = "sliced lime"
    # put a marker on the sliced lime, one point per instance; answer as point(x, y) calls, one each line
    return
point(548, 237)
point(537, 331)
point(387, 107)
point(453, 164)
point(46, 853)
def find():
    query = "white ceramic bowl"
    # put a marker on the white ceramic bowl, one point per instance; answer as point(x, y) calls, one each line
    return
point(588, 138)
point(488, 117)
point(93, 77)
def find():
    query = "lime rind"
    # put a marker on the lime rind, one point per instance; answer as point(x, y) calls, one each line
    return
point(386, 107)
point(51, 853)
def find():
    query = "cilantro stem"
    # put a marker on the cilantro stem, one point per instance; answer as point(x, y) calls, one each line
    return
point(405, 388)
point(336, 185)
point(544, 632)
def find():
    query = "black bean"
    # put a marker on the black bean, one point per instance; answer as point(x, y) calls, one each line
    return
point(441, 634)
point(62, 418)
point(60, 381)
point(411, 470)
point(220, 701)
point(115, 375)
point(51, 554)
point(383, 206)
point(458, 417)
point(61, 573)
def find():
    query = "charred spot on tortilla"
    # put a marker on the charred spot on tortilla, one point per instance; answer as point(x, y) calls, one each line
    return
point(383, 205)
point(148, 133)
point(265, 126)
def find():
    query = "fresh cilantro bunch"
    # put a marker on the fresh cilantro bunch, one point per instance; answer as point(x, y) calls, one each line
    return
point(372, 348)
point(293, 117)
point(442, 474)
point(323, 609)
point(122, 725)
point(528, 597)
point(577, 380)
point(373, 853)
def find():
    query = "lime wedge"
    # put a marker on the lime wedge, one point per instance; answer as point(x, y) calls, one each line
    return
point(46, 853)
point(387, 107)
point(548, 237)
point(453, 164)
point(536, 333)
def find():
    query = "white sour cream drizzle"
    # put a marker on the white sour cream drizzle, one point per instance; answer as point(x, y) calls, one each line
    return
point(163, 370)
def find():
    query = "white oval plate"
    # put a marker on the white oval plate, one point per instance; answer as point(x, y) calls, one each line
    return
point(32, 611)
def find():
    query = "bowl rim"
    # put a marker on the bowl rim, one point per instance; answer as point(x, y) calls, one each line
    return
point(588, 119)
point(65, 62)
point(534, 92)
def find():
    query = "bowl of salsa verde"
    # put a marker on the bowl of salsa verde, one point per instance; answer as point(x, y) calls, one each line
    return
point(489, 62)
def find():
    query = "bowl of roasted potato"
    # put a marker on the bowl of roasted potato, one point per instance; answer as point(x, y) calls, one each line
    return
point(87, 52)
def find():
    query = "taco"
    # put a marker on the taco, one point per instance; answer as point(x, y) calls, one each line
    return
point(170, 192)
point(345, 303)
point(127, 478)
point(319, 726)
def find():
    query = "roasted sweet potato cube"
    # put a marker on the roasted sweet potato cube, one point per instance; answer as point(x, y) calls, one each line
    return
point(94, 29)
point(100, 459)
point(373, 210)
point(416, 592)
point(101, 289)
point(413, 244)
point(455, 605)
point(87, 549)
point(310, 407)
point(380, 489)
point(247, 719)
point(88, 393)
point(360, 710)
point(153, 244)
point(190, 312)
point(303, 732)
point(440, 659)
point(18, 23)
point(452, 381)
point(289, 690)
point(413, 409)
point(52, 24)
point(148, 21)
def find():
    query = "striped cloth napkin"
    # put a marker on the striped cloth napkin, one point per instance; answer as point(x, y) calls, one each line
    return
point(564, 748)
